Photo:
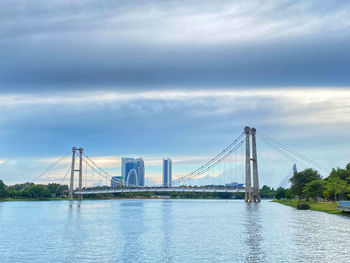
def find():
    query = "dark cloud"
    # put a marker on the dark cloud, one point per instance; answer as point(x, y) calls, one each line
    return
point(59, 45)
point(315, 62)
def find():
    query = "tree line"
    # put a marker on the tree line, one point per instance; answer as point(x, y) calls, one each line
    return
point(32, 191)
point(308, 184)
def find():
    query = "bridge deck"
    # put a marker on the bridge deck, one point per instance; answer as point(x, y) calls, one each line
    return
point(162, 189)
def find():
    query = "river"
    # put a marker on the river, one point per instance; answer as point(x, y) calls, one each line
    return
point(169, 231)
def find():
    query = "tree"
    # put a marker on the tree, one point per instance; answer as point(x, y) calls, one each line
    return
point(20, 187)
point(340, 173)
point(38, 191)
point(348, 167)
point(336, 186)
point(3, 190)
point(289, 194)
point(267, 192)
point(314, 189)
point(57, 189)
point(280, 193)
point(299, 180)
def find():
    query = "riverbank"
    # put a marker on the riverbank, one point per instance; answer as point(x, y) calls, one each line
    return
point(328, 207)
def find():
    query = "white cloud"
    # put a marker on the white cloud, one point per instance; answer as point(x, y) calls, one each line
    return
point(288, 106)
point(174, 21)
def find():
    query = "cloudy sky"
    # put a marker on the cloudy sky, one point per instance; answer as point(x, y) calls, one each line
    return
point(176, 79)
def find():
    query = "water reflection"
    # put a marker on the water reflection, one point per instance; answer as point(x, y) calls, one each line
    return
point(166, 229)
point(169, 231)
point(253, 231)
point(132, 227)
point(73, 233)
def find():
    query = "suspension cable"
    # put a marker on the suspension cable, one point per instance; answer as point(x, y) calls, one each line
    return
point(212, 165)
point(104, 174)
point(285, 148)
point(49, 167)
point(209, 163)
point(282, 152)
point(60, 183)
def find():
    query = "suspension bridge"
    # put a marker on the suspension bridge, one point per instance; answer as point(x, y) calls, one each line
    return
point(220, 174)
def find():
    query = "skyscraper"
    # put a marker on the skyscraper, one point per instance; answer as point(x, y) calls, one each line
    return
point(167, 172)
point(133, 171)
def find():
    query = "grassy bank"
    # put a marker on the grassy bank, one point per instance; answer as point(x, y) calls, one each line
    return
point(328, 207)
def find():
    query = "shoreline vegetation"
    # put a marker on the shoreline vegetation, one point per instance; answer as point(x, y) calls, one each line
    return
point(327, 207)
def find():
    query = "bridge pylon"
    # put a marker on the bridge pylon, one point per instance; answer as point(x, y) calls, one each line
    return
point(251, 194)
point(73, 170)
point(256, 189)
point(248, 188)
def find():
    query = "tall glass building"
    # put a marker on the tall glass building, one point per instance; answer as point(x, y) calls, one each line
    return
point(167, 172)
point(133, 171)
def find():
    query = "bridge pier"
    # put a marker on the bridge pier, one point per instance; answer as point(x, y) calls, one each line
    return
point(256, 190)
point(71, 185)
point(70, 196)
point(80, 196)
point(248, 190)
point(251, 194)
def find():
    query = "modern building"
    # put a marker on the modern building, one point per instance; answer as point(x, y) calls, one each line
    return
point(167, 172)
point(133, 172)
point(117, 181)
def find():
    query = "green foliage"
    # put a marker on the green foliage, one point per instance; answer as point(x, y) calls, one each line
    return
point(343, 174)
point(348, 167)
point(289, 194)
point(267, 192)
point(38, 191)
point(337, 186)
point(328, 207)
point(57, 189)
point(314, 189)
point(280, 193)
point(303, 206)
point(19, 187)
point(3, 190)
point(31, 191)
point(299, 180)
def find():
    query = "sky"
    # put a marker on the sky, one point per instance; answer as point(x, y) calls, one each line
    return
point(178, 79)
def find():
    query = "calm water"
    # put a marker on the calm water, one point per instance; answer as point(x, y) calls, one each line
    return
point(169, 231)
